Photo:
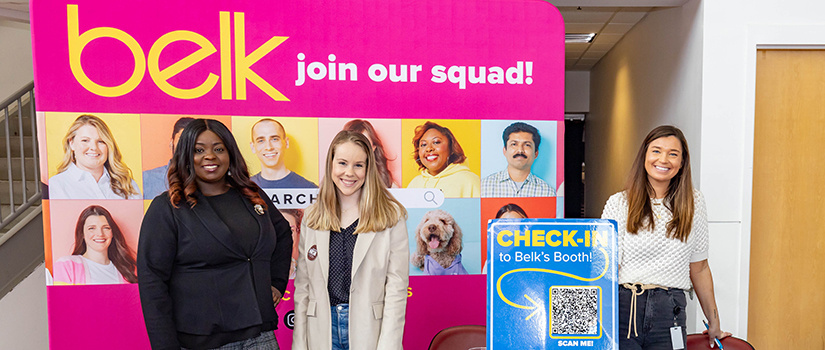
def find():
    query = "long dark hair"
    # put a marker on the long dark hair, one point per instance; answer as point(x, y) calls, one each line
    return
point(679, 197)
point(119, 253)
point(181, 175)
point(365, 127)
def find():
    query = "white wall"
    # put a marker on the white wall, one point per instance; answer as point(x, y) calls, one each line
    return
point(15, 57)
point(653, 76)
point(576, 91)
point(23, 320)
point(732, 32)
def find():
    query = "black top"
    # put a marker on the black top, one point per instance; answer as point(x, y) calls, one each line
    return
point(231, 210)
point(341, 246)
point(199, 288)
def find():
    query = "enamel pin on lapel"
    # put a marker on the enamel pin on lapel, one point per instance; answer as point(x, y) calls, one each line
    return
point(259, 209)
point(312, 253)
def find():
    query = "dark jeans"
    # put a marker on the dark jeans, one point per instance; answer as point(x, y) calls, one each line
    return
point(656, 311)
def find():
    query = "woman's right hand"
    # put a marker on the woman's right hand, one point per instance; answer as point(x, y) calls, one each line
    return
point(715, 332)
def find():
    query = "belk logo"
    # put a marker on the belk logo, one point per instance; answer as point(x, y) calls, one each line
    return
point(243, 62)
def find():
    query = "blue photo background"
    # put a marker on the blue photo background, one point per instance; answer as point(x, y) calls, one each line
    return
point(492, 157)
point(466, 212)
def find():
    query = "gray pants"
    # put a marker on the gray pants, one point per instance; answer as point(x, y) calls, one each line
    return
point(265, 341)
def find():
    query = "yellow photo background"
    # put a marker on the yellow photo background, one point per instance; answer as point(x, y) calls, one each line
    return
point(41, 144)
point(125, 130)
point(302, 153)
point(466, 132)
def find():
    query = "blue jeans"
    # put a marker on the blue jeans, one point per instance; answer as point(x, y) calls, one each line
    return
point(656, 311)
point(340, 327)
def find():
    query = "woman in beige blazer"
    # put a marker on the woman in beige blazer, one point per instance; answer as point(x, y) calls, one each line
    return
point(352, 275)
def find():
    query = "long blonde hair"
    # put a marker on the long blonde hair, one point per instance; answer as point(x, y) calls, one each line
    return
point(379, 209)
point(120, 174)
point(679, 197)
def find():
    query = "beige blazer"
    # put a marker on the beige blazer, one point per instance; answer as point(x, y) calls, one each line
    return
point(378, 295)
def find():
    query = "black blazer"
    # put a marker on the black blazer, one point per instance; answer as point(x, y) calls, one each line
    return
point(194, 278)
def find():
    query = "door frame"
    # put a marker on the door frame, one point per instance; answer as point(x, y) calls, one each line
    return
point(759, 37)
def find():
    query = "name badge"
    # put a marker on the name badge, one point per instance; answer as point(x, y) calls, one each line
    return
point(676, 338)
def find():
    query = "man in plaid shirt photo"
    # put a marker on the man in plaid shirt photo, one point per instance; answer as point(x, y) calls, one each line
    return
point(521, 148)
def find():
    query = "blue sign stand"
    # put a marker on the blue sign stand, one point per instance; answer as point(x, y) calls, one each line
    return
point(552, 284)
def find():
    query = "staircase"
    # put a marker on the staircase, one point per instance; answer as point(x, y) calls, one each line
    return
point(21, 223)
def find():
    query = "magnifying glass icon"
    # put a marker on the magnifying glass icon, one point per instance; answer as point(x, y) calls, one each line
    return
point(429, 196)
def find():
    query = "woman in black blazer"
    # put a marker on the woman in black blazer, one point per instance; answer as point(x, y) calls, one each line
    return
point(214, 253)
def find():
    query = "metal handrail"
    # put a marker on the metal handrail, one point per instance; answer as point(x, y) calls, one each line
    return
point(17, 95)
point(12, 112)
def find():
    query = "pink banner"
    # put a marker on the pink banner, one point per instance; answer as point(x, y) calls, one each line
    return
point(473, 66)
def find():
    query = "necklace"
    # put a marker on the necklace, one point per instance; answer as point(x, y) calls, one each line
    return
point(656, 203)
point(346, 216)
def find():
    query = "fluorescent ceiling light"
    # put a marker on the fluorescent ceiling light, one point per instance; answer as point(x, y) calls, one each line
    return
point(578, 38)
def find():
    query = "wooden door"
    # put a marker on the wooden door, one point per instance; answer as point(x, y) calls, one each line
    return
point(786, 308)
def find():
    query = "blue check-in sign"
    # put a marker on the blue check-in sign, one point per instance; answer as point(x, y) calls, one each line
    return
point(552, 284)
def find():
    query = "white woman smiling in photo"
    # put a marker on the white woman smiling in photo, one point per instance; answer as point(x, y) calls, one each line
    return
point(440, 159)
point(100, 255)
point(663, 246)
point(92, 165)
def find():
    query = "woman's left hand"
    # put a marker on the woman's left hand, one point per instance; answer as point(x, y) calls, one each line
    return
point(276, 296)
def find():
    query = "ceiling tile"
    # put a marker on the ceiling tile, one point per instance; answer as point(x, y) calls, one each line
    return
point(607, 38)
point(576, 46)
point(617, 28)
point(572, 55)
point(643, 9)
point(583, 27)
point(590, 61)
point(587, 16)
point(601, 46)
point(629, 16)
point(590, 54)
point(589, 8)
point(598, 8)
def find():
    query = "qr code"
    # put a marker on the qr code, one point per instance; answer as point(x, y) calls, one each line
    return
point(574, 310)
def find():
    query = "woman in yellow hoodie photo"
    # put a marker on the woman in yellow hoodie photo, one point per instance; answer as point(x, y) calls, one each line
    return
point(439, 158)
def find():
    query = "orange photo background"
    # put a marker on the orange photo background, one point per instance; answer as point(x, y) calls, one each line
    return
point(156, 134)
point(535, 207)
